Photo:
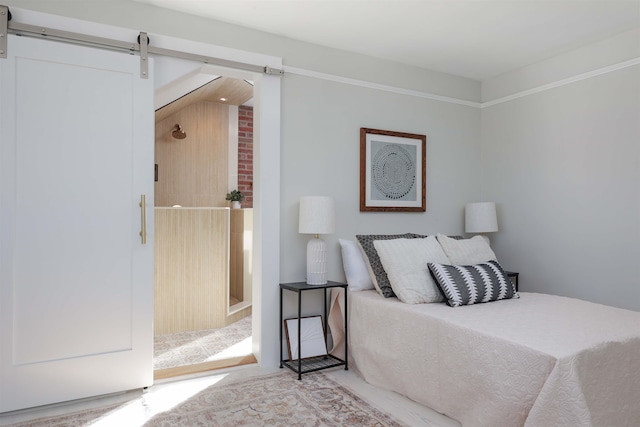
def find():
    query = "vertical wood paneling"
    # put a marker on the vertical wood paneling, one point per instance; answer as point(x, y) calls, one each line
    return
point(193, 171)
point(240, 255)
point(192, 269)
point(247, 257)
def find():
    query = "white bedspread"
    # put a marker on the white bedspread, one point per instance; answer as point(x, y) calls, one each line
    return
point(540, 360)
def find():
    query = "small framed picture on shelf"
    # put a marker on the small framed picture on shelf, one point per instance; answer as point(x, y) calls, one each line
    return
point(311, 337)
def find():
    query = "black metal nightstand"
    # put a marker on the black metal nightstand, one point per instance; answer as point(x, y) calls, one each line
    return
point(515, 276)
point(302, 366)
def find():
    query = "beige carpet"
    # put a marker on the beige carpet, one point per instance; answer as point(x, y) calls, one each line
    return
point(272, 400)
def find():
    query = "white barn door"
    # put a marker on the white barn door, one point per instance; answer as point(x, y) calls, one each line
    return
point(76, 282)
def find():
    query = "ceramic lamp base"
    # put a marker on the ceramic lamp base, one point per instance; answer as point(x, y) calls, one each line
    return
point(316, 262)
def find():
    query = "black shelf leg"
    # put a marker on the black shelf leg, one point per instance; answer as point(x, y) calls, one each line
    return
point(281, 326)
point(346, 332)
point(299, 336)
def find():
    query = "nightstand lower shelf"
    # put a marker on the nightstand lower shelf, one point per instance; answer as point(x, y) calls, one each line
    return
point(314, 363)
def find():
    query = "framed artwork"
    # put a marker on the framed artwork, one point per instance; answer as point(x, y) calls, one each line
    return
point(392, 171)
point(311, 336)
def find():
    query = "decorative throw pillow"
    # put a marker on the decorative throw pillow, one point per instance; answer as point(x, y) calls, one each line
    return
point(355, 268)
point(466, 251)
point(473, 284)
point(374, 266)
point(405, 262)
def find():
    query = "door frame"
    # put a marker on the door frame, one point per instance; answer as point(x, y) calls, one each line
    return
point(267, 90)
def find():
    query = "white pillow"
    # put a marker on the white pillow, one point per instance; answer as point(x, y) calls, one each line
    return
point(471, 251)
point(406, 263)
point(354, 266)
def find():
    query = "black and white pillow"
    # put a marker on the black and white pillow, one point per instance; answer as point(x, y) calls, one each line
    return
point(472, 284)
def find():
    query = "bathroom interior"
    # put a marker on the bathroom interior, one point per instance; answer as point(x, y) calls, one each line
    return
point(203, 283)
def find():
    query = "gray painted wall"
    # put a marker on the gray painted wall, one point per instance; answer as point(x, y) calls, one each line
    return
point(321, 151)
point(562, 164)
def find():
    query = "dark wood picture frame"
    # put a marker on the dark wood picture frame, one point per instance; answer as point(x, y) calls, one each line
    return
point(393, 168)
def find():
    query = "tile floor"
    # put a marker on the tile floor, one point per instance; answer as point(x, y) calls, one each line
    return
point(190, 348)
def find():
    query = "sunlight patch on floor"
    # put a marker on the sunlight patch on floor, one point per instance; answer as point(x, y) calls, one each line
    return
point(157, 400)
point(243, 348)
point(195, 347)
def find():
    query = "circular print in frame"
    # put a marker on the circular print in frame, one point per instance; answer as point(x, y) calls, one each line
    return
point(393, 171)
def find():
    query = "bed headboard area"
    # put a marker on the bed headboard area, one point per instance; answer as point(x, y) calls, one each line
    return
point(420, 269)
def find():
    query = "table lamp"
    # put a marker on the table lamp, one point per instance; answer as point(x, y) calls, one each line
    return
point(480, 218)
point(316, 217)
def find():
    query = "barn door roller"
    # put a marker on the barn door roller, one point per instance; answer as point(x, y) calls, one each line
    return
point(143, 42)
point(5, 17)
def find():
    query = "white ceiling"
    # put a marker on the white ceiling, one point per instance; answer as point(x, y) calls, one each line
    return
point(478, 39)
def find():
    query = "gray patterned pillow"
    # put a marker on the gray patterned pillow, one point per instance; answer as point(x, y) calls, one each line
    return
point(472, 284)
point(378, 275)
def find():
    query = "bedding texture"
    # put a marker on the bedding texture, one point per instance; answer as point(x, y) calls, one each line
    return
point(376, 270)
point(536, 361)
point(355, 269)
point(466, 251)
point(406, 263)
point(374, 266)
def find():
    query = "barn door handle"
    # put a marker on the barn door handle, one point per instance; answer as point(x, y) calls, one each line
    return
point(143, 218)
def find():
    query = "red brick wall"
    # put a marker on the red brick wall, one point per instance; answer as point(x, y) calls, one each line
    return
point(245, 154)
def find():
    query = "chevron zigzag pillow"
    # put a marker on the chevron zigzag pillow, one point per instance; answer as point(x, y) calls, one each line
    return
point(472, 284)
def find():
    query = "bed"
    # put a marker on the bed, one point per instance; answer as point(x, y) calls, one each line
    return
point(528, 360)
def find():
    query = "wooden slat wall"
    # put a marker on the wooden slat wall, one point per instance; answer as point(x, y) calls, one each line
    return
point(240, 252)
point(192, 270)
point(193, 171)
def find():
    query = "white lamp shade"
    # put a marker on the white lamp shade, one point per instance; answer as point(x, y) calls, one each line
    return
point(317, 215)
point(480, 217)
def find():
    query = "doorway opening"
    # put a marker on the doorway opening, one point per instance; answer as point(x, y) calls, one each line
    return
point(203, 249)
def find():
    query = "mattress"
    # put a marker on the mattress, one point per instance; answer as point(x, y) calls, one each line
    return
point(540, 360)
